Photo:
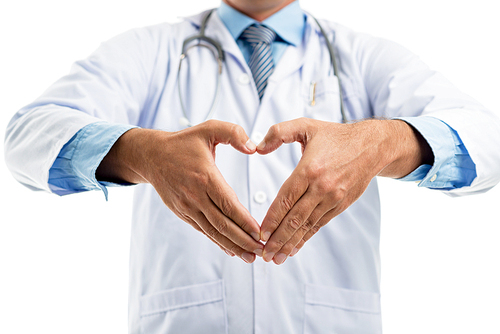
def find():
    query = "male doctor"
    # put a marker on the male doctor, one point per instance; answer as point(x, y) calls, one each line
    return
point(114, 120)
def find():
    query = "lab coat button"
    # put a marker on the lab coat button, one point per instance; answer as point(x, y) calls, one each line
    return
point(260, 197)
point(434, 177)
point(244, 79)
point(257, 137)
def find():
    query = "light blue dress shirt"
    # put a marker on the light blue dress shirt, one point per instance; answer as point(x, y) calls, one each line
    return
point(74, 169)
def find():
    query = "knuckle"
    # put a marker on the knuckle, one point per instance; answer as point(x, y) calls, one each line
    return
point(274, 130)
point(330, 191)
point(306, 227)
point(337, 195)
point(202, 179)
point(279, 243)
point(305, 120)
point(308, 236)
point(315, 228)
point(207, 126)
point(235, 249)
point(286, 203)
point(221, 227)
point(312, 232)
point(190, 197)
point(226, 206)
point(294, 223)
point(210, 123)
point(325, 187)
point(182, 207)
point(315, 171)
point(212, 232)
point(236, 130)
point(287, 249)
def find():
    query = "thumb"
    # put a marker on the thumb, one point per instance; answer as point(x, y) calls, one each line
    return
point(284, 133)
point(232, 134)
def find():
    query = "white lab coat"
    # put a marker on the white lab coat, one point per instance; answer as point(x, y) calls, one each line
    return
point(180, 282)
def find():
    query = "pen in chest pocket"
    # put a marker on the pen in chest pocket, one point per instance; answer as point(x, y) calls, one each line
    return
point(312, 93)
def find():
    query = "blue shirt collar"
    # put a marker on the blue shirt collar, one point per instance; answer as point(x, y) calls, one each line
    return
point(288, 23)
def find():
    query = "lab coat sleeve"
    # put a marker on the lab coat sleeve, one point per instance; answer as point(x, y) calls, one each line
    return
point(399, 84)
point(111, 85)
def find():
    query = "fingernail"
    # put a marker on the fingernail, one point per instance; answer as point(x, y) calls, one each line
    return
point(258, 252)
point(261, 145)
point(266, 236)
point(268, 257)
point(247, 257)
point(250, 145)
point(295, 250)
point(280, 258)
point(255, 235)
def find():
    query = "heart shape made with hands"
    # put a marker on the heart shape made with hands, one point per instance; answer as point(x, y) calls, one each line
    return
point(329, 177)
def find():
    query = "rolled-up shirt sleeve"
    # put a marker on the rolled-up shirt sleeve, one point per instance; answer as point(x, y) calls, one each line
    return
point(75, 166)
point(453, 167)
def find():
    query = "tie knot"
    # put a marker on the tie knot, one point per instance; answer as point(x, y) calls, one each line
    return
point(258, 33)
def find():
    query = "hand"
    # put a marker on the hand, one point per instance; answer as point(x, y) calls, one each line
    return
point(338, 162)
point(181, 167)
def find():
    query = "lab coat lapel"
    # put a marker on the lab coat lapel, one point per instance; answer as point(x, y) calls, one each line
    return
point(294, 57)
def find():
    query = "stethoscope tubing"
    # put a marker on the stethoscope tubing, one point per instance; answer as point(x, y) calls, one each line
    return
point(219, 55)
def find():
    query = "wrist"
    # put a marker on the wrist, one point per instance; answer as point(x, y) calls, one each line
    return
point(126, 159)
point(405, 149)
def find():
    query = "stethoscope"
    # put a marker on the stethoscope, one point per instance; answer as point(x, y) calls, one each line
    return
point(219, 56)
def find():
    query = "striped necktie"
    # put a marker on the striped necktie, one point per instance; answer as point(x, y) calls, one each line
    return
point(261, 61)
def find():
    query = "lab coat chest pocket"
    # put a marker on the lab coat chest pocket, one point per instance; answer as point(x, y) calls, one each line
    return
point(341, 311)
point(191, 309)
point(322, 99)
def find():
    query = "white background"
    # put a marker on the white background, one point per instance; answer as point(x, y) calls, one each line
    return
point(64, 261)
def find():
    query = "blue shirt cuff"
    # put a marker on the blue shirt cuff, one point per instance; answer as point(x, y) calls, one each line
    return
point(75, 166)
point(453, 167)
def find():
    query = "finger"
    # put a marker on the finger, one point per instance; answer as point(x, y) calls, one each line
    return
point(191, 222)
point(314, 229)
point(197, 227)
point(220, 132)
point(288, 248)
point(220, 239)
point(224, 197)
point(284, 133)
point(220, 224)
point(292, 222)
point(290, 192)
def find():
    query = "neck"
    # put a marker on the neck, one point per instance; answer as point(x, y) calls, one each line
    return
point(259, 10)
